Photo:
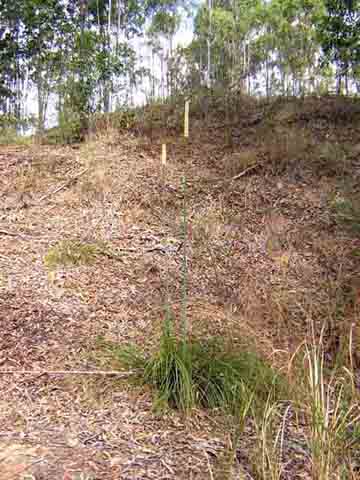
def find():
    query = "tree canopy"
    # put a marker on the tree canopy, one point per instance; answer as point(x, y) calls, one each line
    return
point(89, 55)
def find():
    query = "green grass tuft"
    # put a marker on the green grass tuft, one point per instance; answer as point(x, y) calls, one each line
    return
point(201, 373)
point(348, 213)
point(70, 252)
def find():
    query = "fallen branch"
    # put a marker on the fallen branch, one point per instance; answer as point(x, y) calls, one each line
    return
point(11, 234)
point(244, 172)
point(40, 373)
point(64, 185)
point(10, 434)
point(239, 175)
point(247, 123)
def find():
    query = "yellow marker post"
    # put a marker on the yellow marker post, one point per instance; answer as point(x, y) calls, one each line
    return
point(186, 119)
point(163, 154)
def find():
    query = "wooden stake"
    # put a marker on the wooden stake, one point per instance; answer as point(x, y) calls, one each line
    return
point(64, 185)
point(186, 119)
point(163, 154)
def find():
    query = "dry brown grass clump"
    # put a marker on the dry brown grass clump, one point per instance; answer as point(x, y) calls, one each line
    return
point(237, 162)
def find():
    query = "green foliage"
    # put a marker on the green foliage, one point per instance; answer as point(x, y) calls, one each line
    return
point(339, 34)
point(165, 23)
point(9, 121)
point(11, 128)
point(70, 128)
point(68, 131)
point(67, 50)
point(348, 213)
point(70, 252)
point(9, 136)
point(203, 373)
point(276, 44)
point(248, 38)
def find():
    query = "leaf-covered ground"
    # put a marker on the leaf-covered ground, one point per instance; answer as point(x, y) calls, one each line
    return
point(266, 259)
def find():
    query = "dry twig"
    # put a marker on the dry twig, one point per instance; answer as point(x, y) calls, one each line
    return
point(11, 234)
point(244, 172)
point(40, 373)
point(64, 185)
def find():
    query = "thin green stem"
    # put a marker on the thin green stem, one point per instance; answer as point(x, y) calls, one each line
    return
point(184, 278)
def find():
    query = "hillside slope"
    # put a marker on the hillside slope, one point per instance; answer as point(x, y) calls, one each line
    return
point(271, 254)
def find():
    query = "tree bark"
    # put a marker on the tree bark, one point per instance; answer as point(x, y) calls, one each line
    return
point(41, 105)
point(209, 41)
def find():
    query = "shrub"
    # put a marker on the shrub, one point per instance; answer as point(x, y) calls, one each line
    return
point(286, 149)
point(330, 159)
point(12, 130)
point(9, 136)
point(119, 120)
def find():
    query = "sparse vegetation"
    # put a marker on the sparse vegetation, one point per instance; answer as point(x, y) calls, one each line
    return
point(9, 136)
point(258, 265)
point(71, 252)
point(347, 212)
point(333, 436)
point(12, 130)
point(268, 456)
point(202, 373)
point(67, 133)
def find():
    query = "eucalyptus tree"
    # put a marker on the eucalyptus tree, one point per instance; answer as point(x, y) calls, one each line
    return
point(12, 72)
point(225, 33)
point(164, 25)
point(80, 51)
point(33, 38)
point(289, 39)
point(276, 44)
point(339, 34)
point(48, 32)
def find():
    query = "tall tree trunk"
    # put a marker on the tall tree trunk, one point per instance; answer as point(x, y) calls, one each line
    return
point(84, 101)
point(162, 76)
point(170, 66)
point(108, 47)
point(338, 83)
point(209, 41)
point(346, 78)
point(109, 18)
point(118, 30)
point(41, 105)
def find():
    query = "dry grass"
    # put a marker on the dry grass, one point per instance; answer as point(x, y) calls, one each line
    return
point(300, 151)
point(235, 163)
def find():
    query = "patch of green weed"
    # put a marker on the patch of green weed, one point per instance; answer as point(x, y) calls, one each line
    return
point(347, 212)
point(71, 252)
